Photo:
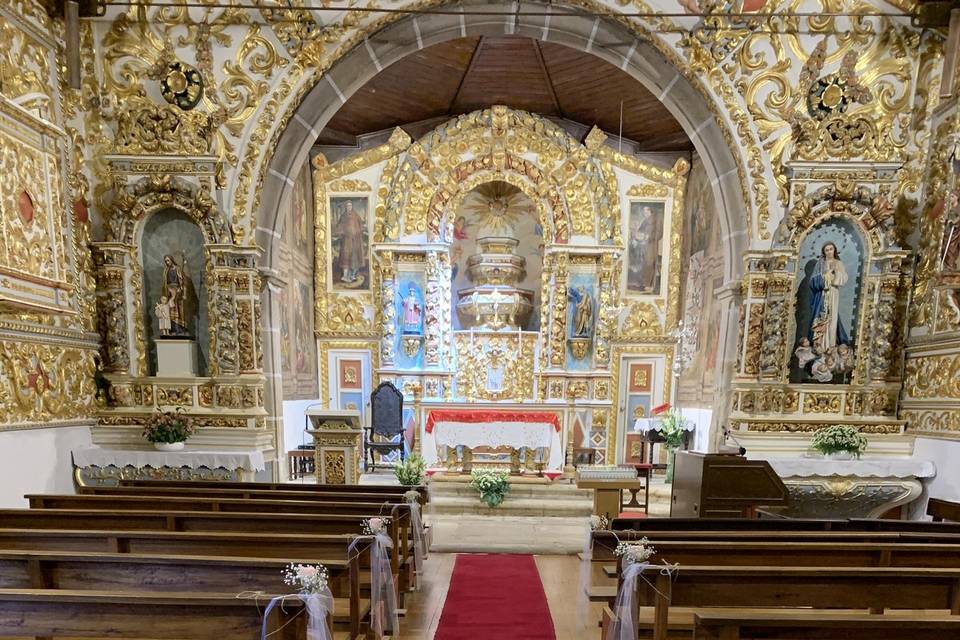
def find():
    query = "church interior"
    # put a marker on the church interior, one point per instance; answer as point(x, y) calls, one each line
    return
point(525, 320)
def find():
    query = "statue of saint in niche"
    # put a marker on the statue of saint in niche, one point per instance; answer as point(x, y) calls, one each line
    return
point(412, 312)
point(826, 347)
point(173, 309)
point(582, 312)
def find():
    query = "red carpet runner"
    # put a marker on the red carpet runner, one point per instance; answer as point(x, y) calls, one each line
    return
point(495, 597)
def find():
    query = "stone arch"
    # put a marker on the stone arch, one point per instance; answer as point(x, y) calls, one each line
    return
point(635, 51)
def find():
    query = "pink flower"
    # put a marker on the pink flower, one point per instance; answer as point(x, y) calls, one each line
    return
point(376, 524)
point(306, 572)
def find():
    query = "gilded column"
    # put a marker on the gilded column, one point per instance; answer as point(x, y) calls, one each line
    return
point(773, 343)
point(434, 316)
point(113, 313)
point(558, 323)
point(388, 312)
point(608, 312)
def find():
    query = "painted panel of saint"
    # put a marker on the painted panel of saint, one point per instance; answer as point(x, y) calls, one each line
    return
point(349, 243)
point(828, 292)
point(645, 247)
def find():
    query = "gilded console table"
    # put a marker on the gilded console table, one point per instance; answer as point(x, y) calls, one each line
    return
point(338, 437)
point(99, 466)
point(866, 488)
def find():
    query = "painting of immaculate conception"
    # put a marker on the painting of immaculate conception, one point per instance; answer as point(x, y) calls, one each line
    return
point(349, 243)
point(828, 289)
point(645, 247)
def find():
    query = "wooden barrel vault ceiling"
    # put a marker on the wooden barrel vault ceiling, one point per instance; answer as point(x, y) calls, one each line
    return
point(462, 75)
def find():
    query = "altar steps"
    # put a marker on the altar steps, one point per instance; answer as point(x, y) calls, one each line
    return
point(523, 500)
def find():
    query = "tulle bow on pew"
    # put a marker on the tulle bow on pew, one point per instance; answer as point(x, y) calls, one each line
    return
point(626, 608)
point(419, 538)
point(383, 596)
point(318, 607)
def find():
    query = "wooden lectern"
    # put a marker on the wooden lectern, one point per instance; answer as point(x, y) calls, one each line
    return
point(716, 485)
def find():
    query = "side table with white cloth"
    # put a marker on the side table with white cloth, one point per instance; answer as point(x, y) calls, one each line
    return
point(866, 488)
point(102, 466)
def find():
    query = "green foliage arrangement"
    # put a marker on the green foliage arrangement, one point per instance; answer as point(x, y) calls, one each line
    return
point(672, 427)
point(167, 427)
point(492, 484)
point(839, 438)
point(411, 472)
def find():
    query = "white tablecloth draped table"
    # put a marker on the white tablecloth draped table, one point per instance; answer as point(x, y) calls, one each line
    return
point(864, 468)
point(472, 429)
point(100, 457)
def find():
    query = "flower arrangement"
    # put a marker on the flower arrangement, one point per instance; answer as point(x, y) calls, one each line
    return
point(168, 427)
point(672, 427)
point(310, 578)
point(411, 471)
point(375, 526)
point(634, 552)
point(599, 523)
point(839, 438)
point(492, 484)
point(411, 497)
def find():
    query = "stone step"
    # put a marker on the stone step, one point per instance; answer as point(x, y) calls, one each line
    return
point(511, 506)
point(532, 491)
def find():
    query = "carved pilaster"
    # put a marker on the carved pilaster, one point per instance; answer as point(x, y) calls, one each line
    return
point(558, 323)
point(112, 309)
point(608, 312)
point(388, 312)
point(434, 304)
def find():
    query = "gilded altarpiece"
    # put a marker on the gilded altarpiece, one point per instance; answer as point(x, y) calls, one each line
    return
point(502, 165)
point(48, 348)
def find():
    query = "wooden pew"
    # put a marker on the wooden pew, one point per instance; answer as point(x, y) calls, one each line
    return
point(942, 510)
point(820, 625)
point(214, 491)
point(399, 513)
point(43, 613)
point(728, 525)
point(856, 588)
point(282, 486)
point(85, 571)
point(192, 521)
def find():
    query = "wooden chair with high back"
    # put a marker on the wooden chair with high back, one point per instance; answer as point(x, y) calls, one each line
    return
point(385, 433)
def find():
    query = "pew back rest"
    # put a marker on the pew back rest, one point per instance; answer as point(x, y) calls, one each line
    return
point(943, 510)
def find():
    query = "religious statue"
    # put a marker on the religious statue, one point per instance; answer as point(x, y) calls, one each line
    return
point(349, 233)
point(826, 329)
point(412, 312)
point(174, 296)
point(826, 346)
point(582, 312)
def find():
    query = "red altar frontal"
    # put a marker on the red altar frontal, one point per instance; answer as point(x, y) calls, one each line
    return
point(453, 433)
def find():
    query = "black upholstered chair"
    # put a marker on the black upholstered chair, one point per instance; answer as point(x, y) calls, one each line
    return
point(385, 433)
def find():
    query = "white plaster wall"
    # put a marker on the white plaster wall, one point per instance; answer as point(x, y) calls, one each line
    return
point(294, 424)
point(38, 461)
point(946, 484)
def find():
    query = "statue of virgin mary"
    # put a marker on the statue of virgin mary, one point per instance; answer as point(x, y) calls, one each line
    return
point(826, 328)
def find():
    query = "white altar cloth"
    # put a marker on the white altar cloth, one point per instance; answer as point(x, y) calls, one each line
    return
point(100, 457)
point(864, 468)
point(496, 434)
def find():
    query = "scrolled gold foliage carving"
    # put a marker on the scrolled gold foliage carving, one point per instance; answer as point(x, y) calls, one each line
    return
point(43, 382)
point(929, 377)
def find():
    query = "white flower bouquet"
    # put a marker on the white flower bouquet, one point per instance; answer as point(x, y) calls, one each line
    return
point(375, 526)
point(839, 438)
point(634, 552)
point(309, 578)
point(599, 523)
point(412, 496)
point(492, 484)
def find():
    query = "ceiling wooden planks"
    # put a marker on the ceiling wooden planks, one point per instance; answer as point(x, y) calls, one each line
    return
point(459, 76)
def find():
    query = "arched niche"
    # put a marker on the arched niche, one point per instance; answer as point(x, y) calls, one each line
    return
point(172, 233)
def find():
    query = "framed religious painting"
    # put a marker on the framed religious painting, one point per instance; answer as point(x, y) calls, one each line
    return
point(349, 242)
point(645, 273)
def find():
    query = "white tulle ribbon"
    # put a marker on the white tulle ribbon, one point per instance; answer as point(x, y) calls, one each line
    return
point(383, 596)
point(419, 538)
point(626, 607)
point(318, 606)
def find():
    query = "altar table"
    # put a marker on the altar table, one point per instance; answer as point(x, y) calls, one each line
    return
point(473, 428)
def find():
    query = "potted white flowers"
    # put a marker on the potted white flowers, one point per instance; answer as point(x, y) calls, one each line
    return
point(840, 442)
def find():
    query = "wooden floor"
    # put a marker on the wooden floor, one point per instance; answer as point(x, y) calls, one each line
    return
point(574, 617)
